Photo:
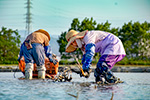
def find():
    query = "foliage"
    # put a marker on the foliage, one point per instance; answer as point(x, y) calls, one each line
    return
point(126, 61)
point(66, 62)
point(9, 43)
point(62, 42)
point(136, 39)
point(103, 27)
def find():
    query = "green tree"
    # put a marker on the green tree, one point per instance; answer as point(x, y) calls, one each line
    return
point(144, 43)
point(9, 43)
point(87, 24)
point(134, 37)
point(62, 42)
point(75, 24)
point(103, 27)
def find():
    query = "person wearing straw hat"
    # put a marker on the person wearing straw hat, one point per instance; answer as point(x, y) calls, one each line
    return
point(90, 42)
point(34, 49)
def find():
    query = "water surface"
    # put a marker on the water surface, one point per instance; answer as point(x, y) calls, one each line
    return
point(136, 86)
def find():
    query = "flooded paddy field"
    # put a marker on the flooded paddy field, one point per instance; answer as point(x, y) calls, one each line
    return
point(136, 86)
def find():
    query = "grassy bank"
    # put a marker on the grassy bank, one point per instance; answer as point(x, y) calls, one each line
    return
point(124, 62)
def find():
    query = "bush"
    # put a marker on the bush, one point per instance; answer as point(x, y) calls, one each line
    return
point(66, 62)
point(125, 61)
point(8, 62)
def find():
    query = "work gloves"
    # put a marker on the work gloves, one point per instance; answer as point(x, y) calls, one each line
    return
point(86, 73)
point(54, 61)
point(87, 59)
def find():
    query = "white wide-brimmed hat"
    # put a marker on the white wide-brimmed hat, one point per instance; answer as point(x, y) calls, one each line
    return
point(71, 36)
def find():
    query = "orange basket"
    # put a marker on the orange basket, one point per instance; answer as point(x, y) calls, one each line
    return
point(51, 69)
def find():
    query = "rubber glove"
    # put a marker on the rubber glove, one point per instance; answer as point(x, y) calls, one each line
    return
point(90, 51)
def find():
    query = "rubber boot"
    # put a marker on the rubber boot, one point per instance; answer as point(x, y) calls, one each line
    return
point(99, 78)
point(28, 74)
point(28, 71)
point(41, 72)
point(103, 70)
point(110, 77)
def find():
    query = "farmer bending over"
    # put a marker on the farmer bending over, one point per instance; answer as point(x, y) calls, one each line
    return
point(34, 49)
point(90, 42)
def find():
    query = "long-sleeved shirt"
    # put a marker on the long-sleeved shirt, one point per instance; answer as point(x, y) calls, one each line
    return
point(38, 37)
point(102, 42)
point(105, 43)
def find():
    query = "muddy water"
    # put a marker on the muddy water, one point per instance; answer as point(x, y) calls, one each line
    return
point(136, 86)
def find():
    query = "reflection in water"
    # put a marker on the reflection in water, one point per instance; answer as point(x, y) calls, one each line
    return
point(136, 86)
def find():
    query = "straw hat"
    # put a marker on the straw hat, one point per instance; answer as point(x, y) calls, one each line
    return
point(44, 32)
point(71, 36)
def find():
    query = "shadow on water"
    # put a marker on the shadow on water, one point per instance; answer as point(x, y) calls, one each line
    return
point(135, 86)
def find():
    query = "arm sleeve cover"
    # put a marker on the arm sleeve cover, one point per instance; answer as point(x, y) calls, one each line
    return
point(83, 58)
point(90, 51)
point(48, 51)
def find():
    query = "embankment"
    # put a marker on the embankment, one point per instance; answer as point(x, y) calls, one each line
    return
point(117, 68)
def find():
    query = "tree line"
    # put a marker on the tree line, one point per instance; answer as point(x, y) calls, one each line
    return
point(9, 46)
point(135, 37)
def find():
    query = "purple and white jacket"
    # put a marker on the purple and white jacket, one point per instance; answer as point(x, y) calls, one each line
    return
point(99, 41)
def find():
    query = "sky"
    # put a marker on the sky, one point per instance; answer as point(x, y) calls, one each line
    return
point(55, 16)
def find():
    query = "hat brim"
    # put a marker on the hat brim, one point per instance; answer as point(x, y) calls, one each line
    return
point(70, 48)
point(44, 32)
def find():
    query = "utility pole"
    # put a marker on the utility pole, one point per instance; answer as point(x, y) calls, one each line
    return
point(28, 17)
